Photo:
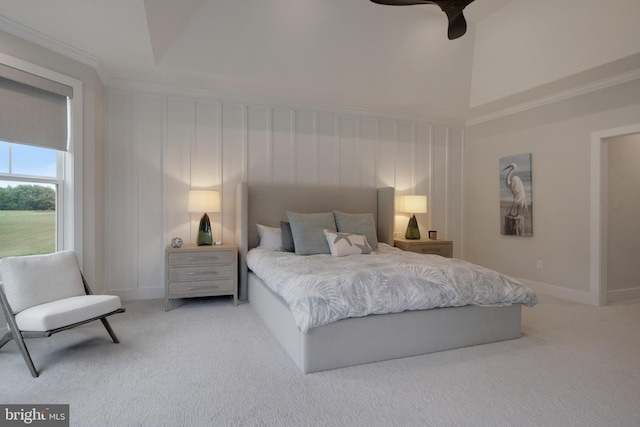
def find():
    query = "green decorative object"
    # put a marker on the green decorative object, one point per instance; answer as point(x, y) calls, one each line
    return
point(204, 232)
point(413, 232)
point(204, 201)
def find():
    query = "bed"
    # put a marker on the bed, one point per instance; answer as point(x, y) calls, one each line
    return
point(354, 340)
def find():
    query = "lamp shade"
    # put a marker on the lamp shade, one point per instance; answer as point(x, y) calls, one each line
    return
point(203, 201)
point(413, 204)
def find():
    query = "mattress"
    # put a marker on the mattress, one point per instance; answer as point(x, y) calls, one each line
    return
point(321, 289)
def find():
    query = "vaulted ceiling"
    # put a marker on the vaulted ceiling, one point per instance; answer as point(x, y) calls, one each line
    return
point(349, 53)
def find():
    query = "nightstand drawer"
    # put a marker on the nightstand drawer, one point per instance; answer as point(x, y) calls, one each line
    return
point(432, 249)
point(205, 272)
point(197, 258)
point(210, 287)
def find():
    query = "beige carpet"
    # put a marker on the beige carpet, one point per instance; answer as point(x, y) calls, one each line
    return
point(208, 362)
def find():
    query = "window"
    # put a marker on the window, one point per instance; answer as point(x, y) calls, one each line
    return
point(41, 149)
point(31, 195)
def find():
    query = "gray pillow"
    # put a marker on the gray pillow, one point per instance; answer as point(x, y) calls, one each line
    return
point(306, 229)
point(358, 224)
point(287, 237)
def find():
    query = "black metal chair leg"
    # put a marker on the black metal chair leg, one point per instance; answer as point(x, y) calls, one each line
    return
point(5, 339)
point(108, 328)
point(25, 354)
point(14, 333)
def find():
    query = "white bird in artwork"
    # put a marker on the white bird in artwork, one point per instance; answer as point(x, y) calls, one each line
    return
point(514, 183)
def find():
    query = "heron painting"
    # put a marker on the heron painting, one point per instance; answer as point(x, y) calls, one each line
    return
point(516, 205)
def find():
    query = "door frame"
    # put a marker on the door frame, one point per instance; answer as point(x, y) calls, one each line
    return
point(598, 224)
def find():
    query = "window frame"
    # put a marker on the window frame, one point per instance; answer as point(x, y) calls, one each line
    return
point(58, 181)
point(71, 187)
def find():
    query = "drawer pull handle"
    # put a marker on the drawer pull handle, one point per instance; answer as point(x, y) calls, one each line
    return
point(194, 258)
point(203, 287)
point(193, 273)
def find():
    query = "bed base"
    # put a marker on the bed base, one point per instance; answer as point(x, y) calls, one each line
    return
point(375, 338)
point(354, 341)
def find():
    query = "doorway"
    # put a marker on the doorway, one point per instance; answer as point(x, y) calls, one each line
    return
point(623, 211)
point(601, 209)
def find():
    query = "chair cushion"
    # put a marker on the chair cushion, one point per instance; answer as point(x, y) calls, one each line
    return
point(57, 314)
point(38, 279)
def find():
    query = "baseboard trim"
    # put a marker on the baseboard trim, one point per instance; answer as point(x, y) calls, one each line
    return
point(623, 295)
point(559, 292)
point(138, 294)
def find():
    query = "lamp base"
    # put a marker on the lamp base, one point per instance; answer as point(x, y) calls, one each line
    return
point(204, 232)
point(413, 232)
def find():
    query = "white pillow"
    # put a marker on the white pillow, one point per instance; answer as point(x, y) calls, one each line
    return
point(343, 244)
point(270, 237)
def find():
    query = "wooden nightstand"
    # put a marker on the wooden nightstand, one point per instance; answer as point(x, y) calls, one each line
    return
point(200, 271)
point(425, 246)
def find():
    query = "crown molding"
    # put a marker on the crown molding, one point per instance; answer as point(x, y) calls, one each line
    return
point(556, 97)
point(42, 40)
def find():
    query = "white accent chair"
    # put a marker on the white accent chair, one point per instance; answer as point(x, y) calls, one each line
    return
point(44, 294)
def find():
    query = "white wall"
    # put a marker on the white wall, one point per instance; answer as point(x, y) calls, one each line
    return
point(623, 215)
point(527, 44)
point(559, 138)
point(161, 143)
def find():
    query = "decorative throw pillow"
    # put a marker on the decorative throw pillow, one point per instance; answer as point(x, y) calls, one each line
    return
point(343, 244)
point(270, 237)
point(358, 224)
point(307, 232)
point(287, 237)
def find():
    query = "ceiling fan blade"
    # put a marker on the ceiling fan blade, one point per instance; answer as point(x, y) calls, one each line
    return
point(457, 26)
point(453, 9)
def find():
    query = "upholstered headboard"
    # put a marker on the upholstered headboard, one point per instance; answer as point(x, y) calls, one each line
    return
point(268, 204)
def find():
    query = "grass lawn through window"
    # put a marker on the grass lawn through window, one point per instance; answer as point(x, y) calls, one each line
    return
point(27, 232)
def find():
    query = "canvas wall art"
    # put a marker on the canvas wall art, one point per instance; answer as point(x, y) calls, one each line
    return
point(516, 206)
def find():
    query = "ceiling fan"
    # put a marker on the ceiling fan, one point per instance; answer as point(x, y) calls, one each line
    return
point(453, 9)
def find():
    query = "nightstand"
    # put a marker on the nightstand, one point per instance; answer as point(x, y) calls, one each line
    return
point(200, 271)
point(426, 246)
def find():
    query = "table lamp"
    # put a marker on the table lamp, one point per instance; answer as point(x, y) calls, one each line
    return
point(413, 204)
point(204, 201)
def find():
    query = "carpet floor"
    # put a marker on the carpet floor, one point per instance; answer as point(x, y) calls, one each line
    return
point(210, 363)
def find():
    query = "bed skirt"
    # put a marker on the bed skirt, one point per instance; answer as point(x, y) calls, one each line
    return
point(375, 338)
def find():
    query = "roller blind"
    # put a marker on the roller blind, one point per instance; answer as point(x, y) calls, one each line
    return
point(33, 110)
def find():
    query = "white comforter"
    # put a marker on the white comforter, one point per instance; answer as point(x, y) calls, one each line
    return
point(321, 289)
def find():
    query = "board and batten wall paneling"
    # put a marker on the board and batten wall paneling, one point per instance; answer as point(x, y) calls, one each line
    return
point(328, 150)
point(439, 208)
point(121, 216)
point(234, 141)
point(259, 164)
point(177, 165)
point(151, 112)
point(306, 143)
point(160, 146)
point(368, 138)
point(134, 194)
point(455, 179)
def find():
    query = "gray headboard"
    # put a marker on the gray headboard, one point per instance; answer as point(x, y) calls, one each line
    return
point(268, 204)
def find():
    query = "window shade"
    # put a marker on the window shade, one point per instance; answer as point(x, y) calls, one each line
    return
point(33, 110)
